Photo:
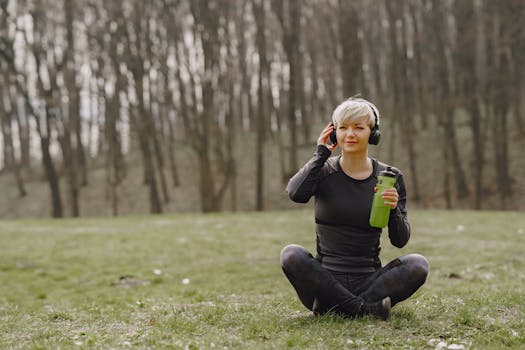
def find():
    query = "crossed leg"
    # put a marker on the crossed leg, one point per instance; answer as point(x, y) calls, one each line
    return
point(399, 279)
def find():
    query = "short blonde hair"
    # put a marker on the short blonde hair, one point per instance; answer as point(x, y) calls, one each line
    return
point(355, 108)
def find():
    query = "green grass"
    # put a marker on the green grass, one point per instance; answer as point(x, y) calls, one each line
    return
point(118, 283)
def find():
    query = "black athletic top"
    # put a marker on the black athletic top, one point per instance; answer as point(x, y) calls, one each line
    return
point(345, 240)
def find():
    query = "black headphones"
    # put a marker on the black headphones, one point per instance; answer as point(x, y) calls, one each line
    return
point(375, 134)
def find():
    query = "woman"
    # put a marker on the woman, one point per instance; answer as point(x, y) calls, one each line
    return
point(346, 276)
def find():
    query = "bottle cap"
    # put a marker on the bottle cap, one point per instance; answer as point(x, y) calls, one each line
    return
point(388, 172)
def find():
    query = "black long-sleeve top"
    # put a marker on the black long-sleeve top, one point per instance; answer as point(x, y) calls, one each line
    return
point(345, 240)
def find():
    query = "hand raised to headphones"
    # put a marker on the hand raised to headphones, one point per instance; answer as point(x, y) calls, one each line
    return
point(325, 136)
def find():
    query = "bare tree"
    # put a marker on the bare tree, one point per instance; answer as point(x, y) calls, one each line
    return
point(288, 13)
point(46, 86)
point(349, 24)
point(402, 77)
point(8, 29)
point(470, 32)
point(259, 13)
point(73, 92)
point(447, 88)
point(141, 116)
point(500, 73)
point(167, 115)
point(112, 84)
point(6, 121)
point(204, 130)
point(8, 100)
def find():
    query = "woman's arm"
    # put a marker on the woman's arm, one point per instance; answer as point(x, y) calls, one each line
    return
point(398, 226)
point(303, 185)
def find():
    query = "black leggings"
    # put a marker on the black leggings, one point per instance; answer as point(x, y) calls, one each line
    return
point(346, 293)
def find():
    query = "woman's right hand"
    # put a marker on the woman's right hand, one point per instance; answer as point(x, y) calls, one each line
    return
point(325, 136)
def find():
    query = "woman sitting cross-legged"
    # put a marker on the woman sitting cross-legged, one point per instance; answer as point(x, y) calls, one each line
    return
point(346, 275)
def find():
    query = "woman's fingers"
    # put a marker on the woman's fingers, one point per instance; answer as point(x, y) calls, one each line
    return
point(325, 135)
point(390, 197)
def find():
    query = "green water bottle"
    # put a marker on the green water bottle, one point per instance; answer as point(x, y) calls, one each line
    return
point(380, 212)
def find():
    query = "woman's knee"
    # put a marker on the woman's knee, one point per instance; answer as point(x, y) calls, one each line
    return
point(418, 264)
point(293, 254)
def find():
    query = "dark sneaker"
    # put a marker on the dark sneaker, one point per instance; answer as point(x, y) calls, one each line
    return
point(380, 308)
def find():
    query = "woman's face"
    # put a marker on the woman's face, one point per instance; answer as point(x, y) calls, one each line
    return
point(353, 136)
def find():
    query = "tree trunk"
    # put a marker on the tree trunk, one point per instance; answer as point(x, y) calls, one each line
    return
point(154, 134)
point(446, 76)
point(396, 77)
point(475, 125)
point(73, 92)
point(48, 95)
point(259, 13)
point(501, 159)
point(70, 167)
point(446, 174)
point(500, 92)
point(233, 129)
point(207, 187)
point(171, 154)
point(351, 59)
point(205, 133)
point(24, 138)
point(292, 52)
point(52, 178)
point(407, 109)
point(468, 57)
point(9, 149)
point(167, 105)
point(159, 157)
point(421, 86)
point(115, 164)
point(142, 118)
point(49, 167)
point(145, 147)
point(281, 112)
point(290, 27)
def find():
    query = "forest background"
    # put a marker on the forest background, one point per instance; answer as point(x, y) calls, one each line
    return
point(126, 107)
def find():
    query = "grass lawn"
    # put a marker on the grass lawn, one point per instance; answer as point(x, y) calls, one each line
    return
point(214, 281)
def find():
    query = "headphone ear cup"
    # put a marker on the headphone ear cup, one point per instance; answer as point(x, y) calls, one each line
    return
point(333, 137)
point(375, 136)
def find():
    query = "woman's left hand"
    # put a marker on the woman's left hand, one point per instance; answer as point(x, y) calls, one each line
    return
point(390, 197)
